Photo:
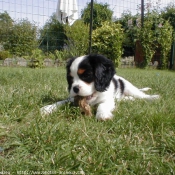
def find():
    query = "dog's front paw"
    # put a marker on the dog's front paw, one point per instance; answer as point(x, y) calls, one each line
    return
point(104, 115)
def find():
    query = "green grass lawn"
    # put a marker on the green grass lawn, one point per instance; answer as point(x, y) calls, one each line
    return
point(139, 140)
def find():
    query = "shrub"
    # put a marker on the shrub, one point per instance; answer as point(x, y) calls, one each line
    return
point(130, 26)
point(4, 55)
point(147, 38)
point(22, 38)
point(156, 33)
point(164, 39)
point(51, 55)
point(37, 58)
point(52, 35)
point(60, 54)
point(107, 40)
point(101, 13)
point(77, 38)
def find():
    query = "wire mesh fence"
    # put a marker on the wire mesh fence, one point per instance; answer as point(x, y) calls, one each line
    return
point(39, 11)
point(38, 14)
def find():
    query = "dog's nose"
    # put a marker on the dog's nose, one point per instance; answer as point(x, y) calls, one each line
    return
point(76, 89)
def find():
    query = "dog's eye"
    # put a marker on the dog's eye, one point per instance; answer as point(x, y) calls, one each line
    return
point(87, 76)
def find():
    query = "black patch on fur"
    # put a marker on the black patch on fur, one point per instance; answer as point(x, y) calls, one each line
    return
point(87, 76)
point(69, 77)
point(115, 83)
point(103, 71)
point(122, 86)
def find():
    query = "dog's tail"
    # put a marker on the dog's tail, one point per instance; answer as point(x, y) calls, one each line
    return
point(130, 91)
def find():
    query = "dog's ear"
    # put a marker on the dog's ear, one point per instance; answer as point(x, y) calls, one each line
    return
point(69, 62)
point(103, 69)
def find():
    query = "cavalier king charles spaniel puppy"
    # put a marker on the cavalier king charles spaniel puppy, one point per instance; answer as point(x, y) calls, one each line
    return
point(94, 78)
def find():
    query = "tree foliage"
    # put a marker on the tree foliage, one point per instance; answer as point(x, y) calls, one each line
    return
point(107, 40)
point(101, 13)
point(22, 38)
point(156, 33)
point(4, 54)
point(6, 23)
point(77, 38)
point(164, 39)
point(52, 35)
point(147, 38)
point(130, 26)
point(168, 13)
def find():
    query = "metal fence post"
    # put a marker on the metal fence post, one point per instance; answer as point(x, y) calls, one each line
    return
point(142, 12)
point(172, 56)
point(91, 25)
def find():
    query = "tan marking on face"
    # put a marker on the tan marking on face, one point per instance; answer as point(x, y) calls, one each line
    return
point(81, 71)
